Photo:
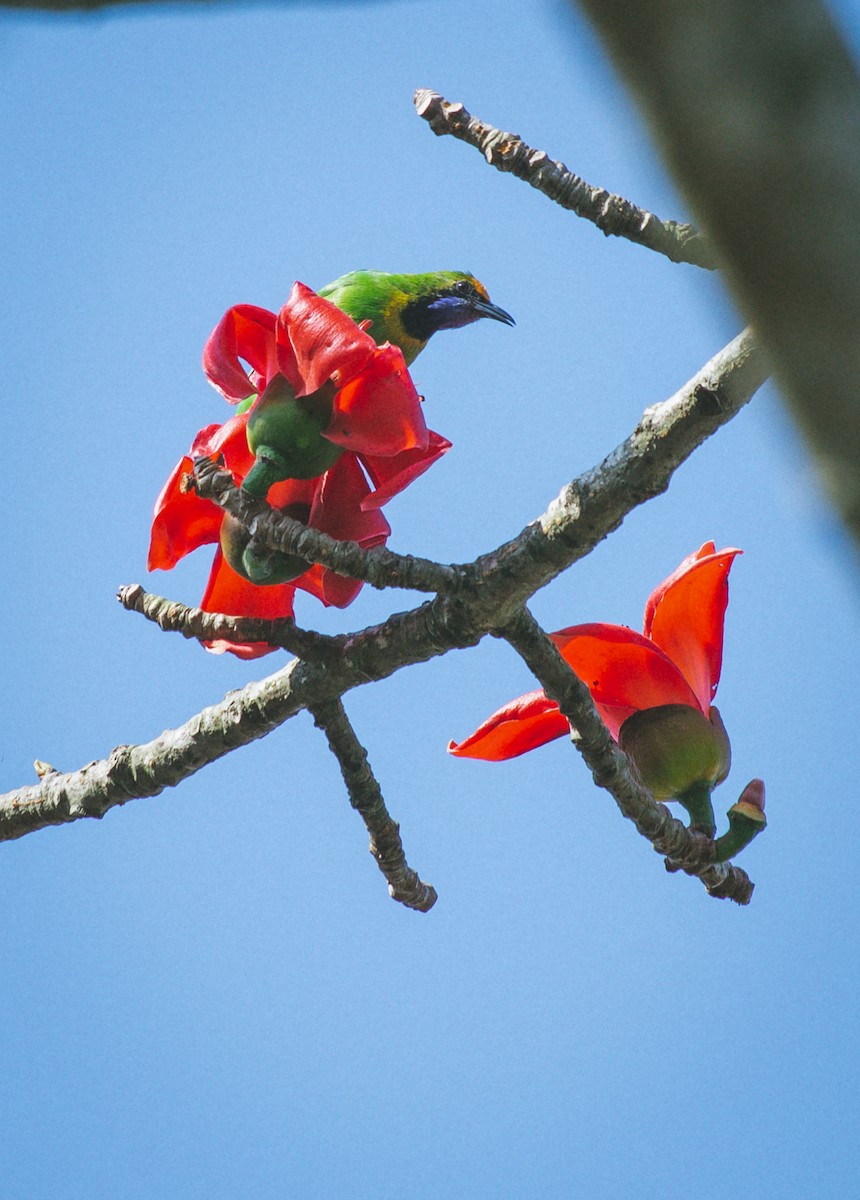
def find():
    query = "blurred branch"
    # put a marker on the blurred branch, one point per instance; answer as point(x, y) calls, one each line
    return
point(491, 593)
point(365, 796)
point(74, 7)
point(378, 566)
point(756, 109)
point(194, 623)
point(612, 214)
point(690, 852)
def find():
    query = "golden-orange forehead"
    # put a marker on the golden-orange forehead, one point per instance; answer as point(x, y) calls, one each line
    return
point(479, 288)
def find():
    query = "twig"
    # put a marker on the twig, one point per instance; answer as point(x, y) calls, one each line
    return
point(689, 852)
point(612, 214)
point(194, 623)
point(366, 798)
point(378, 566)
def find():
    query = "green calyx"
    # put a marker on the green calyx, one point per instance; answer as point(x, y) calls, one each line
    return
point(285, 434)
point(258, 564)
point(679, 754)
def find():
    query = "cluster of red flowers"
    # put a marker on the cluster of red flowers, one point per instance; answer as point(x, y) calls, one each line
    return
point(376, 432)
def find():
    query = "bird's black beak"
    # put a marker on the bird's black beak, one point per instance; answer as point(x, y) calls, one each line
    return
point(485, 309)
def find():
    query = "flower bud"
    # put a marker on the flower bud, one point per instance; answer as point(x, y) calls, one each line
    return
point(746, 821)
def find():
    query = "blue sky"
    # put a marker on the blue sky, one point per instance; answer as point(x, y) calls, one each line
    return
point(210, 993)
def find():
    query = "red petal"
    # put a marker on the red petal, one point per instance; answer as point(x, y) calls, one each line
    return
point(230, 440)
point(293, 491)
point(247, 332)
point(226, 592)
point(181, 520)
point(524, 724)
point(656, 596)
point(338, 507)
point(337, 510)
point(685, 614)
point(331, 589)
point(328, 587)
point(326, 342)
point(623, 670)
point(392, 475)
point(378, 412)
point(614, 716)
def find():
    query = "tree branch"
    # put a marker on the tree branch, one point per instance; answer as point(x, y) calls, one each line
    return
point(612, 214)
point(378, 566)
point(492, 591)
point(365, 796)
point(690, 852)
point(194, 623)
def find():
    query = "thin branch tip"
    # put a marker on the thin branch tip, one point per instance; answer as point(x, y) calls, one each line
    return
point(365, 796)
point(613, 215)
point(195, 624)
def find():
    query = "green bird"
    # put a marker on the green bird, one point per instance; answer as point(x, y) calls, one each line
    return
point(286, 433)
point(407, 310)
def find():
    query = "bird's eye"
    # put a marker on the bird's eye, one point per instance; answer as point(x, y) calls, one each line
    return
point(463, 288)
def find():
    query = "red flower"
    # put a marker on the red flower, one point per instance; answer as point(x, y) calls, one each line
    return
point(675, 661)
point(366, 411)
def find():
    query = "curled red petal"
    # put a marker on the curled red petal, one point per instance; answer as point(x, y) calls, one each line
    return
point(623, 670)
point(327, 344)
point(244, 332)
point(523, 724)
point(653, 602)
point(378, 412)
point(392, 475)
point(226, 592)
point(181, 520)
point(685, 616)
